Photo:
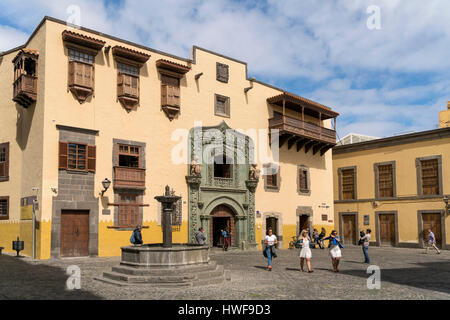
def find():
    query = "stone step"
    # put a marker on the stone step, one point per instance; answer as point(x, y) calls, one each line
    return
point(126, 269)
point(217, 272)
point(128, 284)
point(148, 279)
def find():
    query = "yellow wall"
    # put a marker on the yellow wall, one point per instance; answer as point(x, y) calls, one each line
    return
point(148, 123)
point(404, 156)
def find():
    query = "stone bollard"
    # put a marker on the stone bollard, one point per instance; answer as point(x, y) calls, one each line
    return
point(243, 245)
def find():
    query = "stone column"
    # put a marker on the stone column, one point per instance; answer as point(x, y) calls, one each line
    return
point(194, 211)
point(167, 227)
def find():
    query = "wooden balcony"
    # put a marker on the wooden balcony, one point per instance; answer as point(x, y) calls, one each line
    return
point(303, 134)
point(132, 178)
point(25, 90)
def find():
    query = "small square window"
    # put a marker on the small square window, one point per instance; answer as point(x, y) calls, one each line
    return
point(222, 106)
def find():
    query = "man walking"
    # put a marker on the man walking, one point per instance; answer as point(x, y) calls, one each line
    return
point(226, 239)
point(365, 245)
point(432, 241)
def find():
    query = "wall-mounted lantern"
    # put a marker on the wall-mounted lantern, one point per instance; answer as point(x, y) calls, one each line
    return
point(447, 206)
point(105, 183)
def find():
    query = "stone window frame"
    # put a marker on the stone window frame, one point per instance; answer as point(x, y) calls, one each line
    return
point(222, 72)
point(226, 99)
point(419, 175)
point(269, 188)
point(118, 191)
point(394, 179)
point(304, 192)
point(377, 227)
point(355, 180)
point(5, 217)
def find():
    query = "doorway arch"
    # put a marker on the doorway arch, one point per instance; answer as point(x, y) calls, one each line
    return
point(222, 217)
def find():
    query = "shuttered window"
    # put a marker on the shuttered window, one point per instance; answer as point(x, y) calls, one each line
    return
point(128, 81)
point(430, 177)
point(170, 91)
point(4, 208)
point(272, 176)
point(222, 105)
point(4, 161)
point(81, 74)
point(74, 156)
point(128, 210)
point(303, 179)
point(129, 156)
point(385, 181)
point(348, 184)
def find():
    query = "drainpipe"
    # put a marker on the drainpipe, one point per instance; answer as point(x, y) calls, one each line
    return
point(33, 226)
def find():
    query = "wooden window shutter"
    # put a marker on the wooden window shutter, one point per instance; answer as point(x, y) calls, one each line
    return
point(135, 86)
point(63, 155)
point(164, 94)
point(91, 158)
point(7, 161)
point(71, 73)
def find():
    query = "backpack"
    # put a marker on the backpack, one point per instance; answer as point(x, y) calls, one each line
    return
point(132, 239)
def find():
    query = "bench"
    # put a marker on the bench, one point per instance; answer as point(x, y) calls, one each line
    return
point(1, 248)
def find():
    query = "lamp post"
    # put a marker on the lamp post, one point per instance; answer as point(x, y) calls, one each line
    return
point(105, 183)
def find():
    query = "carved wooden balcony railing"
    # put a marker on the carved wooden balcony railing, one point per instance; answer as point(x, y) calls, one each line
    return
point(304, 134)
point(125, 177)
point(25, 90)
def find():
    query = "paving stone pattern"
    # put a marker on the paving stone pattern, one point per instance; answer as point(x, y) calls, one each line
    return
point(405, 274)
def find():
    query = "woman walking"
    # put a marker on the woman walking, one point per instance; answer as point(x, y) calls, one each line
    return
point(335, 246)
point(305, 253)
point(269, 250)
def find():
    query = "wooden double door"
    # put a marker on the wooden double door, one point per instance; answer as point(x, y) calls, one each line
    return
point(74, 233)
point(222, 218)
point(432, 221)
point(387, 229)
point(349, 229)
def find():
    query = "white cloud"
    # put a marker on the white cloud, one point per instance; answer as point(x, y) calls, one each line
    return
point(325, 44)
point(11, 38)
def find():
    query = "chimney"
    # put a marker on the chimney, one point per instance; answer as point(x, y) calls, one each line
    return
point(448, 105)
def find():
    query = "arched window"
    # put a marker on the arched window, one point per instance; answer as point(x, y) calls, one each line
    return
point(223, 167)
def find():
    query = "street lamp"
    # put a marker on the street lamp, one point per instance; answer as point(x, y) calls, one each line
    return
point(447, 206)
point(105, 183)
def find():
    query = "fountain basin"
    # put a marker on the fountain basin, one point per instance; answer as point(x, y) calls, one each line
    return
point(155, 256)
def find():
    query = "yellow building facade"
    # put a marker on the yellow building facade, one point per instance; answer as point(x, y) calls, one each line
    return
point(78, 106)
point(394, 186)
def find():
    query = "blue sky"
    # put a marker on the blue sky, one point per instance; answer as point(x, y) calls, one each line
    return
point(383, 82)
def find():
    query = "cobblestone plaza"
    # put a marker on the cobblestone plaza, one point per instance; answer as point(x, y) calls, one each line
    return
point(405, 274)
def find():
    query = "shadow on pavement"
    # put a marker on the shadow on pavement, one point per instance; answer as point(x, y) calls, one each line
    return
point(21, 280)
point(429, 275)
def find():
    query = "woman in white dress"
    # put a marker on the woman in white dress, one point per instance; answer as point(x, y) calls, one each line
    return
point(335, 249)
point(305, 253)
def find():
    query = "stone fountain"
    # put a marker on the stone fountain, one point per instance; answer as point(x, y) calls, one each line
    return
point(165, 264)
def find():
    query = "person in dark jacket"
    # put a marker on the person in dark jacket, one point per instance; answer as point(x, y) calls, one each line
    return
point(137, 235)
point(320, 241)
point(200, 236)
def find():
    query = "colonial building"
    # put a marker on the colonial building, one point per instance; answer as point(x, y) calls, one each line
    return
point(79, 106)
point(396, 186)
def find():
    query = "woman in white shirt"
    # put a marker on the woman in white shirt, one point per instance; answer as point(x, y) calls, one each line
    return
point(270, 242)
point(305, 253)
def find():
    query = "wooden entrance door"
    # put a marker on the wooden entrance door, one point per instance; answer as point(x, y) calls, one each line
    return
point(387, 229)
point(74, 233)
point(349, 229)
point(222, 217)
point(304, 223)
point(432, 221)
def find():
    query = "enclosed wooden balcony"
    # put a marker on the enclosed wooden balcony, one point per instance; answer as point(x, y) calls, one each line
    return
point(25, 90)
point(126, 177)
point(25, 77)
point(300, 132)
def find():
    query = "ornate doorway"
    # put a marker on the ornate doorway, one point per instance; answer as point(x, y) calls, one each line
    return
point(222, 217)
